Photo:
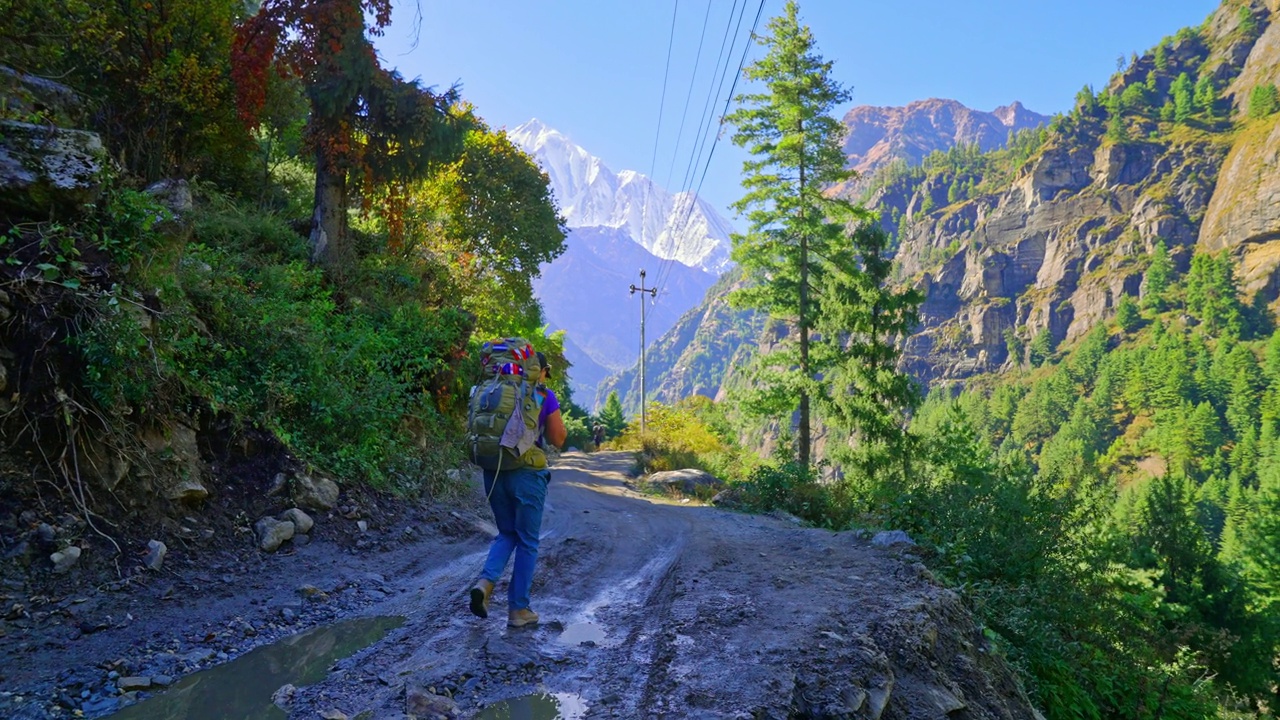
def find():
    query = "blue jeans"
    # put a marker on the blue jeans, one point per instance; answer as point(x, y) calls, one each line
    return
point(516, 497)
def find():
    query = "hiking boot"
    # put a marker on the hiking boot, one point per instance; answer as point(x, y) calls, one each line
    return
point(480, 598)
point(520, 618)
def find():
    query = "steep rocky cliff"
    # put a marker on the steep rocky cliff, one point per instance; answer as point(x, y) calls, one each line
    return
point(878, 135)
point(1072, 232)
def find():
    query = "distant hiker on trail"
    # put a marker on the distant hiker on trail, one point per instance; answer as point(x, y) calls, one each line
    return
point(597, 435)
point(511, 448)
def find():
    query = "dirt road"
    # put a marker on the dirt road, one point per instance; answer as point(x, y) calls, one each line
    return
point(649, 608)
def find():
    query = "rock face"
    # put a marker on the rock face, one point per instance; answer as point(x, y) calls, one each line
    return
point(1055, 251)
point(878, 135)
point(48, 167)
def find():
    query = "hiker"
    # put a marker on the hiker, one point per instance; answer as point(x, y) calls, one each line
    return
point(597, 435)
point(516, 497)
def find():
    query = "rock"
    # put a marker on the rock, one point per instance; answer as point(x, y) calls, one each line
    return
point(64, 560)
point(1244, 213)
point(420, 704)
point(314, 493)
point(283, 697)
point(133, 682)
point(887, 538)
point(46, 168)
point(156, 551)
point(302, 522)
point(364, 526)
point(173, 194)
point(272, 533)
point(728, 498)
point(279, 484)
point(29, 95)
point(332, 714)
point(163, 681)
point(687, 481)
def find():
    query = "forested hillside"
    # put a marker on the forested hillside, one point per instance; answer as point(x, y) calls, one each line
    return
point(235, 239)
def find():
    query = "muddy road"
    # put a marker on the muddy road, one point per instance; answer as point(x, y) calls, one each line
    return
point(650, 609)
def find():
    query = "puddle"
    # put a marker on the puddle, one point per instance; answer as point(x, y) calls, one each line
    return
point(541, 706)
point(242, 688)
point(585, 633)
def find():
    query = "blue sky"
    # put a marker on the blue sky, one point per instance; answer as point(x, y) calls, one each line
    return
point(594, 68)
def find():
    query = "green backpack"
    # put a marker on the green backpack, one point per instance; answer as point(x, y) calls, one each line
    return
point(497, 439)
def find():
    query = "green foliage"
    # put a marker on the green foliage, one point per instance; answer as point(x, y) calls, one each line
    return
point(1213, 296)
point(160, 77)
point(1182, 91)
point(1264, 101)
point(1014, 345)
point(487, 216)
point(1041, 348)
point(791, 132)
point(612, 417)
point(1205, 99)
point(1127, 315)
point(1158, 276)
point(691, 434)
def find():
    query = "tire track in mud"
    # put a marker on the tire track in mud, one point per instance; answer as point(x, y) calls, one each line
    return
point(704, 614)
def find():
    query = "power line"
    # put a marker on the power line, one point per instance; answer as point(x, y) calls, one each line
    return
point(728, 99)
point(671, 39)
point(717, 83)
point(684, 114)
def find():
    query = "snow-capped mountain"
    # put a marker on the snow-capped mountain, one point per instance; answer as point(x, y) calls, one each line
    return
point(678, 226)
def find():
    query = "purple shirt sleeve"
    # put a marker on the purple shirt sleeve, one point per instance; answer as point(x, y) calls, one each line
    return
point(550, 404)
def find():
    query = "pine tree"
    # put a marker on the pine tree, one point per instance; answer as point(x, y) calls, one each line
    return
point(612, 417)
point(1206, 96)
point(1159, 273)
point(795, 144)
point(861, 323)
point(1127, 316)
point(1264, 100)
point(1041, 348)
point(1183, 92)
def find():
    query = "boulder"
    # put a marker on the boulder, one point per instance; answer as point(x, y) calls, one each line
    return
point(31, 95)
point(687, 481)
point(47, 168)
point(421, 704)
point(728, 498)
point(272, 533)
point(64, 560)
point(302, 522)
point(173, 194)
point(314, 493)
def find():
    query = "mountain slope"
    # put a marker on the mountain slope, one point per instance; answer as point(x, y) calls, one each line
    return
point(878, 135)
point(586, 293)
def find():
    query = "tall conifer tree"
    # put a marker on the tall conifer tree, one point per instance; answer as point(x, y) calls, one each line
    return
point(795, 143)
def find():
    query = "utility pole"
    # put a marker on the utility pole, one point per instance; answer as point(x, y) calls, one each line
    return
point(653, 292)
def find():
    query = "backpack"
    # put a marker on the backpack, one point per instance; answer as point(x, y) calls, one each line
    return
point(502, 416)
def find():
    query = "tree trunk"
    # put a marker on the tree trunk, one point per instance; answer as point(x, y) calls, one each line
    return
point(804, 453)
point(329, 223)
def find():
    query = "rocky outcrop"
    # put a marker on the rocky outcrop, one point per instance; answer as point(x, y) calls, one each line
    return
point(1244, 214)
point(48, 168)
point(878, 135)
